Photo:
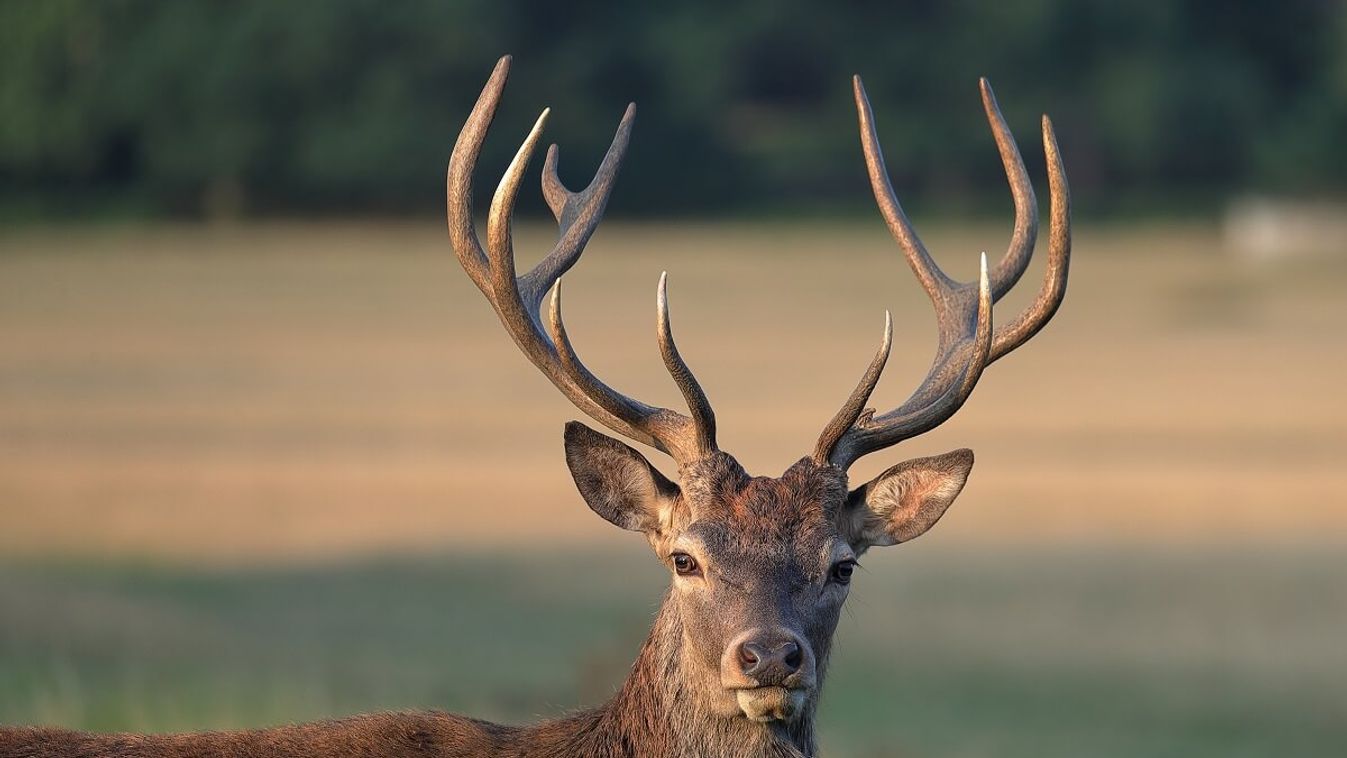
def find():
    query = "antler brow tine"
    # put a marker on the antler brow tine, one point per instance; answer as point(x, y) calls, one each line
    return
point(852, 409)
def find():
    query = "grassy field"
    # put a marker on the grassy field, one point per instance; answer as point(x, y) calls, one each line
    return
point(1036, 653)
point(264, 473)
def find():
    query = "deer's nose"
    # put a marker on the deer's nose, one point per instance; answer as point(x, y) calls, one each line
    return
point(770, 662)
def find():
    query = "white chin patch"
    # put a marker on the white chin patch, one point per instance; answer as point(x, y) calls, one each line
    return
point(765, 704)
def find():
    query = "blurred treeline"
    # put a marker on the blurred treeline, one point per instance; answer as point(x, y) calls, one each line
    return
point(222, 107)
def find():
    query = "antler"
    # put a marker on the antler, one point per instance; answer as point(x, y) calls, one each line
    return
point(967, 342)
point(517, 300)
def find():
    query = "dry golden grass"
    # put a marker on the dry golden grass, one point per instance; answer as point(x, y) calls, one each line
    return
point(284, 392)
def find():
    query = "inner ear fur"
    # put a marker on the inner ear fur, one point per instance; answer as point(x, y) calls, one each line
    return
point(616, 481)
point(906, 500)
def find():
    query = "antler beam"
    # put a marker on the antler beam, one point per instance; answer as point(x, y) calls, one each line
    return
point(967, 342)
point(517, 299)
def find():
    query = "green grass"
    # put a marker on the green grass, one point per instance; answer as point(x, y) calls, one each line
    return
point(1024, 652)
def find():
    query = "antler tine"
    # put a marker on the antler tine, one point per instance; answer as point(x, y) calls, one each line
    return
point(1012, 265)
point(458, 181)
point(1053, 290)
point(961, 355)
point(577, 213)
point(499, 238)
point(682, 438)
point(933, 280)
point(703, 416)
point(517, 299)
point(854, 407)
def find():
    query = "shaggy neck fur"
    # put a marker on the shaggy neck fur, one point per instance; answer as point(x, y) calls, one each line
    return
point(658, 713)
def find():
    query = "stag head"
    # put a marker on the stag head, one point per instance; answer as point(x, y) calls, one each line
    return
point(760, 566)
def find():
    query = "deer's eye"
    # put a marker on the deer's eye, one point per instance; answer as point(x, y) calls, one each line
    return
point(685, 564)
point(842, 571)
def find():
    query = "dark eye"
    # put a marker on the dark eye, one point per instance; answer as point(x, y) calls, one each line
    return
point(684, 564)
point(842, 572)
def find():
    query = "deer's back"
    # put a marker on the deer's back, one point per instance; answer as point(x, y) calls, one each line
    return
point(383, 735)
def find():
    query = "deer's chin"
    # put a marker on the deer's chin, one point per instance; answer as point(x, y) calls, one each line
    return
point(764, 704)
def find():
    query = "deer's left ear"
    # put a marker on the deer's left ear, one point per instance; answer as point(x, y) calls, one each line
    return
point(905, 501)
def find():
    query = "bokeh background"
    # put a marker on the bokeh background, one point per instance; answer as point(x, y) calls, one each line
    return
point(266, 455)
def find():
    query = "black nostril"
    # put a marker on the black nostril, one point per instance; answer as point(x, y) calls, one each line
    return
point(769, 663)
point(750, 654)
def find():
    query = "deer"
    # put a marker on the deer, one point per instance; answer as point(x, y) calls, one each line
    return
point(759, 566)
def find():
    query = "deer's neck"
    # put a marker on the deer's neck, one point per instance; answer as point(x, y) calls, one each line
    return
point(660, 712)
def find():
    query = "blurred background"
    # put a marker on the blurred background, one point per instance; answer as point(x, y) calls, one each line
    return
point(266, 455)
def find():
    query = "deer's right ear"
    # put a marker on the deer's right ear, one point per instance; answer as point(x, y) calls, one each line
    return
point(617, 482)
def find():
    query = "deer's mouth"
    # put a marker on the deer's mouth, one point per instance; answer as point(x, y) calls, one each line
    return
point(764, 704)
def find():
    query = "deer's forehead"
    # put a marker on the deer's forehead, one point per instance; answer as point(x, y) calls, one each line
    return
point(728, 512)
point(804, 547)
point(718, 485)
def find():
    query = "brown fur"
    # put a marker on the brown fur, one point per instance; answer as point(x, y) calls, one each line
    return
point(736, 659)
point(766, 545)
point(652, 716)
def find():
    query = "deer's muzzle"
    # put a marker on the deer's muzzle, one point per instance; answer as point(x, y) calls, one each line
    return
point(771, 673)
